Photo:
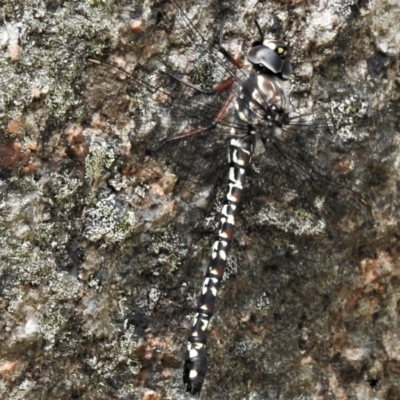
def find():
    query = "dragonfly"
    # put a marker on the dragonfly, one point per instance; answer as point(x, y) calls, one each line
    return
point(249, 106)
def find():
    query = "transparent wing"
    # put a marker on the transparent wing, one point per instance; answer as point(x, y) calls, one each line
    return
point(328, 166)
point(323, 155)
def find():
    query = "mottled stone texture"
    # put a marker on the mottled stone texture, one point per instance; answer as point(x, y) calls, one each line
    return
point(103, 242)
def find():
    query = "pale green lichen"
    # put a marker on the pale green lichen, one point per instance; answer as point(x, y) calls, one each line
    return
point(66, 187)
point(28, 238)
point(233, 264)
point(63, 287)
point(345, 115)
point(121, 349)
point(50, 71)
point(20, 225)
point(263, 305)
point(297, 221)
point(101, 155)
point(109, 220)
point(168, 247)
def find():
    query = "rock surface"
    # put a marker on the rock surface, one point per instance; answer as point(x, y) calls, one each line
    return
point(103, 243)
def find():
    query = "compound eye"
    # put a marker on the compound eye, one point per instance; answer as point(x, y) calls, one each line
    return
point(279, 48)
point(282, 51)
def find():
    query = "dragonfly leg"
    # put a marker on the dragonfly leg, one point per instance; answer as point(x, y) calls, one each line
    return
point(198, 131)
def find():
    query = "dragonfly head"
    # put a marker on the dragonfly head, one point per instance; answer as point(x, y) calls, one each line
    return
point(270, 57)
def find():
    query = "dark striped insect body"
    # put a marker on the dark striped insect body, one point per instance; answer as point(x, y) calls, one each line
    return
point(252, 106)
point(261, 104)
